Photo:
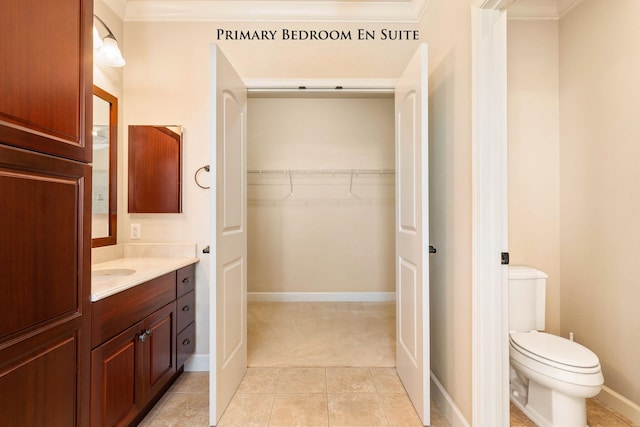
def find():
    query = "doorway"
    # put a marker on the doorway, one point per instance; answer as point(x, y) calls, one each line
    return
point(229, 232)
point(320, 221)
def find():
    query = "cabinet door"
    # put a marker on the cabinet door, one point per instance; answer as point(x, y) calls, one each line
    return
point(155, 168)
point(45, 288)
point(159, 359)
point(46, 82)
point(115, 399)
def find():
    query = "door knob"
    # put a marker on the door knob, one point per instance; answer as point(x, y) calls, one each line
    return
point(432, 250)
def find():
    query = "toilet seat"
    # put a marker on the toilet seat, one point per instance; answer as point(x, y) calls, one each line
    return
point(555, 351)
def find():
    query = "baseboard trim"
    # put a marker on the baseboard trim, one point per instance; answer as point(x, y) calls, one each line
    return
point(321, 296)
point(620, 403)
point(197, 363)
point(446, 404)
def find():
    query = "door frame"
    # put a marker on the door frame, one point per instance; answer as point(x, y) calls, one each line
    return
point(490, 359)
point(490, 303)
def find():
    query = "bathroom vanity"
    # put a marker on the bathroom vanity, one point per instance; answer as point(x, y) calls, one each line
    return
point(142, 331)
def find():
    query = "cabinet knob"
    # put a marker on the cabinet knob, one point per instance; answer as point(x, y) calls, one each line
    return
point(185, 280)
point(186, 308)
point(186, 341)
point(144, 335)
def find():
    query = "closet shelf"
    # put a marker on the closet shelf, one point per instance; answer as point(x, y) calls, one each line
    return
point(288, 172)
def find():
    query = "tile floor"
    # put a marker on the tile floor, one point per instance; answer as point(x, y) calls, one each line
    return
point(300, 375)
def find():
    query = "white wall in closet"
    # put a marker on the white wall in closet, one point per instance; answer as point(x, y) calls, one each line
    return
point(334, 232)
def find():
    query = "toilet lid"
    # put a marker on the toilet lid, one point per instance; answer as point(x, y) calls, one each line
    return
point(555, 349)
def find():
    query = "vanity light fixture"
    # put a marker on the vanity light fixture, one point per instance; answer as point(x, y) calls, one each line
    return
point(106, 50)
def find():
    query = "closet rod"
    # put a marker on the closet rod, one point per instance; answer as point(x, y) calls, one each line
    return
point(289, 172)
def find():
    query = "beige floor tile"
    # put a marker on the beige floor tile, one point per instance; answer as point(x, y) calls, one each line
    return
point(320, 334)
point(600, 415)
point(182, 410)
point(248, 410)
point(387, 381)
point(302, 380)
point(437, 418)
point(350, 380)
point(260, 380)
point(191, 382)
point(356, 409)
point(518, 419)
point(302, 410)
point(399, 410)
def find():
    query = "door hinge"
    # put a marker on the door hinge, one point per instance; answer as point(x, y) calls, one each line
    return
point(504, 258)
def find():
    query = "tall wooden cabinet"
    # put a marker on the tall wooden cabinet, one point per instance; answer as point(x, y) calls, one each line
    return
point(45, 212)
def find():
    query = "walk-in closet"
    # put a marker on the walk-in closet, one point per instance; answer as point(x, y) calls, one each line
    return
point(320, 224)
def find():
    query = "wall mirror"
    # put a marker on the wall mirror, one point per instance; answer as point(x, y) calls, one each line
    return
point(104, 206)
point(155, 169)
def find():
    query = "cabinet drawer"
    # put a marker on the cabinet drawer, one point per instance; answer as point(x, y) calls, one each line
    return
point(115, 313)
point(186, 344)
point(186, 308)
point(186, 279)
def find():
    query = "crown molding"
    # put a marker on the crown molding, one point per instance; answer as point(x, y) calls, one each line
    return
point(564, 6)
point(541, 9)
point(119, 7)
point(408, 11)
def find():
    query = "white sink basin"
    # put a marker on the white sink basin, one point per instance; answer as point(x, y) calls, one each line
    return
point(110, 274)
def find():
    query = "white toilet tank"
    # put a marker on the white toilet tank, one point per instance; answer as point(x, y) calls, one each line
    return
point(527, 288)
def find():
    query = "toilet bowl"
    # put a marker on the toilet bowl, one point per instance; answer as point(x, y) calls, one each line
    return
point(550, 376)
point(553, 376)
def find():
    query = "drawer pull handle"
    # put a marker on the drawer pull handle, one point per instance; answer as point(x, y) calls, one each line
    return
point(186, 308)
point(185, 280)
point(143, 336)
point(187, 341)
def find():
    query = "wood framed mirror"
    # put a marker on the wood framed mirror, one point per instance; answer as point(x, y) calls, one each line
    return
point(104, 204)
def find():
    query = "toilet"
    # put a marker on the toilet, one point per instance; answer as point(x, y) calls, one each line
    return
point(550, 376)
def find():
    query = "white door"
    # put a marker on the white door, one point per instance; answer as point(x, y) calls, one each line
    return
point(228, 229)
point(412, 233)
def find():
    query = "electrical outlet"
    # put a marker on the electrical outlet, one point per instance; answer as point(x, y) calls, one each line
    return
point(136, 232)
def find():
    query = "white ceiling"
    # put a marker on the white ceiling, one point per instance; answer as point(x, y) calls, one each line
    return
point(398, 11)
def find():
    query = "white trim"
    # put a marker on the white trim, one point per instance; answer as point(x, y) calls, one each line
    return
point(119, 7)
point(359, 85)
point(322, 296)
point(490, 357)
point(620, 403)
point(276, 11)
point(197, 363)
point(446, 404)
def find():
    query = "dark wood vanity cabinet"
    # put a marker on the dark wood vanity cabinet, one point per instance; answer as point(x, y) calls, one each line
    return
point(45, 214)
point(135, 354)
point(186, 312)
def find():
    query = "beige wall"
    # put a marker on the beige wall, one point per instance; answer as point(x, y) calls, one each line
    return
point(167, 81)
point(599, 176)
point(533, 150)
point(321, 239)
point(447, 29)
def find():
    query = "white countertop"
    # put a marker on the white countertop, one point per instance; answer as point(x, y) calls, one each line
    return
point(114, 277)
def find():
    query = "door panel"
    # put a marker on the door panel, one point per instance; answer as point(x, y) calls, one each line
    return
point(115, 400)
point(160, 360)
point(228, 234)
point(412, 233)
point(39, 389)
point(48, 86)
point(45, 309)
